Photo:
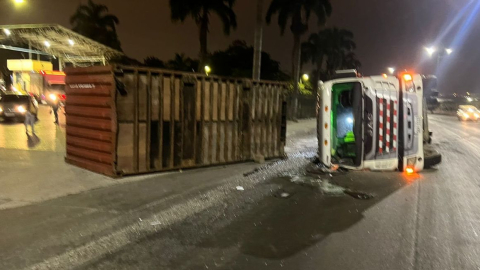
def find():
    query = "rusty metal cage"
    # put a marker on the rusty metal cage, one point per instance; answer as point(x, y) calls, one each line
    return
point(129, 120)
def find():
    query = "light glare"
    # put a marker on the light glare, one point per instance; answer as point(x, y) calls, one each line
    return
point(430, 50)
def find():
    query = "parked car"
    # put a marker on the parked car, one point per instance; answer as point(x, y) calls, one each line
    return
point(468, 112)
point(14, 105)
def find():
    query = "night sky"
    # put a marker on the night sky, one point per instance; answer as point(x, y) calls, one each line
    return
point(388, 33)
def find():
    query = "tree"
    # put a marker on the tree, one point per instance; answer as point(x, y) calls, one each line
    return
point(93, 21)
point(338, 43)
point(182, 63)
point(298, 12)
point(152, 61)
point(237, 61)
point(313, 51)
point(333, 47)
point(200, 11)
point(350, 61)
point(124, 60)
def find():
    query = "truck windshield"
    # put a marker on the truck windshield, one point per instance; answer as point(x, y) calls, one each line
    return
point(57, 87)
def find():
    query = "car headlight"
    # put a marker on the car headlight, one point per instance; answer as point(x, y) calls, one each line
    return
point(52, 97)
point(21, 109)
point(465, 115)
point(476, 115)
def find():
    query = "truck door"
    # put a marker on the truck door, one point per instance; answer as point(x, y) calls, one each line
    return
point(411, 123)
point(340, 123)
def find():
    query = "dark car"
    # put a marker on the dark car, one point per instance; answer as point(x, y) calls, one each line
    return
point(14, 105)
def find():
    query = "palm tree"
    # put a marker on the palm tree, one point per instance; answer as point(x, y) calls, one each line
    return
point(350, 60)
point(313, 51)
point(182, 63)
point(337, 44)
point(93, 21)
point(153, 61)
point(200, 11)
point(298, 12)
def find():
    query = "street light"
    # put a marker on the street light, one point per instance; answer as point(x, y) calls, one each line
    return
point(207, 70)
point(305, 77)
point(430, 50)
point(391, 70)
point(19, 1)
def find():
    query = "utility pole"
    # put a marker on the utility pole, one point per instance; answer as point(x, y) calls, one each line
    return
point(257, 51)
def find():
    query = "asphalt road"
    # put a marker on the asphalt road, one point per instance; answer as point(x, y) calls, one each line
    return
point(282, 219)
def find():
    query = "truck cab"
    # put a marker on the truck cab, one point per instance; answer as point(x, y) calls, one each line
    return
point(372, 122)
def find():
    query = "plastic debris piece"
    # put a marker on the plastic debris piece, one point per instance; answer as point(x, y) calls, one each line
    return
point(240, 188)
point(155, 223)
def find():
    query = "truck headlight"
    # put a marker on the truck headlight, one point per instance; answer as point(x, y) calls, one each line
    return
point(21, 109)
point(52, 97)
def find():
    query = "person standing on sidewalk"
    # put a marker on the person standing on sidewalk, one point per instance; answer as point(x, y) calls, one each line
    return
point(30, 116)
point(55, 106)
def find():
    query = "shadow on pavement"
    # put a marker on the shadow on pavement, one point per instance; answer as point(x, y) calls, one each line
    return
point(32, 140)
point(278, 228)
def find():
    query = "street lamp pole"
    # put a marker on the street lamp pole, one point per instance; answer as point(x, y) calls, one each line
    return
point(257, 53)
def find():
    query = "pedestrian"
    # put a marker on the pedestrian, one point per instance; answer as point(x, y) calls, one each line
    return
point(30, 116)
point(55, 106)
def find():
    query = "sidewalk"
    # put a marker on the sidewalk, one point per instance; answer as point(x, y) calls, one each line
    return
point(28, 176)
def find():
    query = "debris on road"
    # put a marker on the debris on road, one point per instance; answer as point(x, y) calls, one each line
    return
point(240, 188)
point(264, 167)
point(326, 188)
point(330, 189)
point(318, 168)
point(358, 195)
point(281, 193)
point(259, 159)
point(155, 223)
point(251, 172)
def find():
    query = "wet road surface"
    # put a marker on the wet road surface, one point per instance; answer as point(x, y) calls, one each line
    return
point(283, 219)
point(49, 136)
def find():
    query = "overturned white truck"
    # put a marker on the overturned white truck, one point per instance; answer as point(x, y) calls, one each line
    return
point(377, 123)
